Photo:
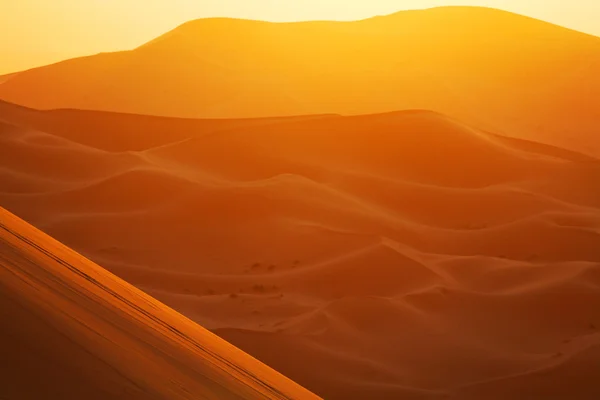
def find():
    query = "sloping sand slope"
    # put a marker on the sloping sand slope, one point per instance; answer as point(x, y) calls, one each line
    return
point(492, 69)
point(406, 254)
point(4, 78)
point(72, 330)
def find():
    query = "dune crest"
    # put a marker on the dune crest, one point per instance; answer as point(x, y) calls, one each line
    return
point(407, 254)
point(72, 329)
point(492, 69)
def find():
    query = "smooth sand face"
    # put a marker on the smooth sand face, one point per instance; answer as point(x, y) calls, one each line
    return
point(70, 329)
point(402, 255)
point(492, 69)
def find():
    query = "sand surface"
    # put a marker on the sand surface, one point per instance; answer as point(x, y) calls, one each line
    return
point(72, 330)
point(393, 256)
point(492, 69)
point(4, 78)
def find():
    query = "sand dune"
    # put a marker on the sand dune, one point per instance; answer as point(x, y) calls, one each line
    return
point(405, 254)
point(72, 330)
point(495, 70)
point(4, 78)
point(126, 129)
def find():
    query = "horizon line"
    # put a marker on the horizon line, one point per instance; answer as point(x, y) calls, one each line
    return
point(217, 17)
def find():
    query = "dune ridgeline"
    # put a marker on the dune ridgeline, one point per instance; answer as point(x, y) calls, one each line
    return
point(403, 207)
point(70, 329)
point(491, 69)
point(403, 255)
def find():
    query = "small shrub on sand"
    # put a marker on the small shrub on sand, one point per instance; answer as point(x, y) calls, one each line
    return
point(259, 288)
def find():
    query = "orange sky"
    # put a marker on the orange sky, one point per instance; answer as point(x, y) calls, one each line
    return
point(36, 32)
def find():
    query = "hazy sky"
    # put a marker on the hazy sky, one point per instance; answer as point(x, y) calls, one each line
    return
point(35, 32)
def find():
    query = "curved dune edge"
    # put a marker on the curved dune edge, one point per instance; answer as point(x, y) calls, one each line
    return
point(71, 328)
point(406, 254)
point(493, 69)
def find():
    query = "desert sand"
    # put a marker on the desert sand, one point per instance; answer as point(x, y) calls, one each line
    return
point(4, 78)
point(495, 70)
point(70, 329)
point(403, 255)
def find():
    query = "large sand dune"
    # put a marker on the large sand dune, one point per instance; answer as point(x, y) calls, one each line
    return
point(72, 330)
point(495, 70)
point(399, 255)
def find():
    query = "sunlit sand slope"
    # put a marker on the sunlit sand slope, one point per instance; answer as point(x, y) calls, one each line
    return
point(72, 330)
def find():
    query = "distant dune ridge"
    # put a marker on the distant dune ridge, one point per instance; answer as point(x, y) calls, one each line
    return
point(72, 330)
point(492, 69)
point(402, 255)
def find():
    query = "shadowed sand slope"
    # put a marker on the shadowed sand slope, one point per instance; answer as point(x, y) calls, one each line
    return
point(493, 69)
point(406, 254)
point(72, 330)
